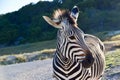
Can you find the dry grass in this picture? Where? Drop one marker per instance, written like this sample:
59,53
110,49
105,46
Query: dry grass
40,55
116,37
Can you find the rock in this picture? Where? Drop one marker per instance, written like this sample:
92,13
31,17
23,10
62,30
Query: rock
10,59
46,55
31,57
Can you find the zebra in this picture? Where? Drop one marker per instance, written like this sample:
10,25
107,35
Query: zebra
78,56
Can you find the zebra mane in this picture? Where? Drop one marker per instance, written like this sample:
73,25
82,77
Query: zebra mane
61,14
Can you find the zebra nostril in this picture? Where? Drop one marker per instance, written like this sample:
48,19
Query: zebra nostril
89,60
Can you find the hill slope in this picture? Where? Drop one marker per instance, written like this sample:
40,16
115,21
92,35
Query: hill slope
28,48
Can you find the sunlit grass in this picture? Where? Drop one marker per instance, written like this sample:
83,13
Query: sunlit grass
116,37
115,43
112,58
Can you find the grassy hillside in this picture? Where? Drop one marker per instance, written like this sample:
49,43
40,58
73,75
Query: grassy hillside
26,48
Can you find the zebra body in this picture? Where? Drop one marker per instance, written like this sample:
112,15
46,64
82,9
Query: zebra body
78,56
67,69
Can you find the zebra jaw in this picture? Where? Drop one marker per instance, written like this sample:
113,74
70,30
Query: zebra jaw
51,22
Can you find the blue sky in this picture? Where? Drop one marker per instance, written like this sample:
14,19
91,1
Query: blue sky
13,5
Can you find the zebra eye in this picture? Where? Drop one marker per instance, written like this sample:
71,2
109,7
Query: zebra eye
72,37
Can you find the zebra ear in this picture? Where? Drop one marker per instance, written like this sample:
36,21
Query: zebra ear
75,12
51,22
89,60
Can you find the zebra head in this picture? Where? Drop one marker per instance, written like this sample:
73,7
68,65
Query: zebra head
70,38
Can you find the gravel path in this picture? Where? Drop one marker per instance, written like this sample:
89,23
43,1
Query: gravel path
42,70
37,70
